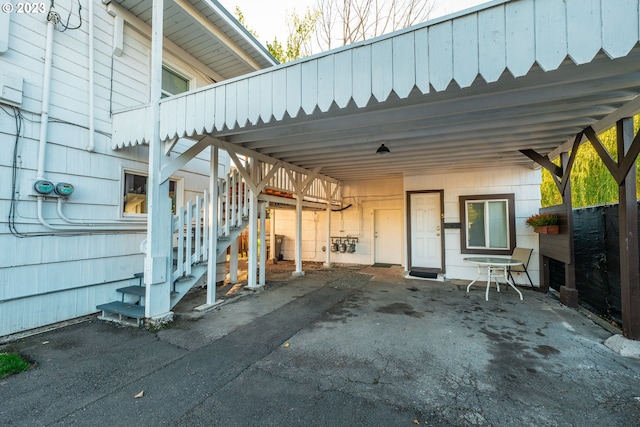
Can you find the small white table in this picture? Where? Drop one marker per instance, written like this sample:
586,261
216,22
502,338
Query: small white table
495,267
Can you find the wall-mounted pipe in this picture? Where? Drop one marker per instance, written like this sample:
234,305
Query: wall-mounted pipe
142,224
92,119
73,228
46,88
342,209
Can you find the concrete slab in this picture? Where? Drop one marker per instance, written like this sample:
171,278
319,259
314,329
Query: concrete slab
341,346
623,346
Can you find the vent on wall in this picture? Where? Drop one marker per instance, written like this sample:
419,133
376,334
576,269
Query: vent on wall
11,90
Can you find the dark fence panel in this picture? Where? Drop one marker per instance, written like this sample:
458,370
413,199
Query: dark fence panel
597,258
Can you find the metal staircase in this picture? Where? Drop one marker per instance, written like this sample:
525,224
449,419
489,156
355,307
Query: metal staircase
190,255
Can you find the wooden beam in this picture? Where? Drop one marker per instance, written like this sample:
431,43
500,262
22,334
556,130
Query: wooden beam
556,171
243,171
602,152
263,157
566,177
269,175
629,159
171,168
628,229
543,161
309,179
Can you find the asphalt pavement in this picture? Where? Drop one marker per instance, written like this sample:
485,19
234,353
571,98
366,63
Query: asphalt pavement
347,346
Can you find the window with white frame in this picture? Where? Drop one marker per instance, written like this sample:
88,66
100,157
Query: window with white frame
134,198
487,224
173,83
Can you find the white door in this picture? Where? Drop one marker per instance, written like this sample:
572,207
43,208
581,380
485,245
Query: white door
388,236
425,232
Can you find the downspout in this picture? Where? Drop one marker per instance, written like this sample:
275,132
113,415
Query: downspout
92,125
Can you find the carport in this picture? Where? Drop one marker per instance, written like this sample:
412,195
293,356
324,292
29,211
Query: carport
512,82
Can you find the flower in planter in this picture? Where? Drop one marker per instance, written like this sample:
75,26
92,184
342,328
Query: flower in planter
541,220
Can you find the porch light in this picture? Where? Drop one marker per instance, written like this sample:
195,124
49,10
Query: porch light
382,150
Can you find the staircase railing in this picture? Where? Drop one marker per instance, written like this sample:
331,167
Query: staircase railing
190,224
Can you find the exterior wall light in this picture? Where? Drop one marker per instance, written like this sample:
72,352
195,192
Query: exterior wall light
382,150
64,189
43,187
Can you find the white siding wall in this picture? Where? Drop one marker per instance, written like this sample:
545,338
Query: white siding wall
522,182
50,278
368,196
356,221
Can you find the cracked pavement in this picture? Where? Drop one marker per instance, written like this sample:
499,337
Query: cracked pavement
346,346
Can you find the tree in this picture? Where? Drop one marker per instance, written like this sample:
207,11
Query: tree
344,22
298,45
591,182
299,40
241,19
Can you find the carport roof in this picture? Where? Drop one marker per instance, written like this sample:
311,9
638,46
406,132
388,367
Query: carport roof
465,91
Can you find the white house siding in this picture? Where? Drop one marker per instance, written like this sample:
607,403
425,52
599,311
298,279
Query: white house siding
522,182
368,196
52,278
356,221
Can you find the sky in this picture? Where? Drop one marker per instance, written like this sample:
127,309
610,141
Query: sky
268,17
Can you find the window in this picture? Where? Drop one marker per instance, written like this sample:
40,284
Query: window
488,224
173,83
134,199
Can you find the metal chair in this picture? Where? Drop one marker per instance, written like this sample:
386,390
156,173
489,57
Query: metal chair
521,254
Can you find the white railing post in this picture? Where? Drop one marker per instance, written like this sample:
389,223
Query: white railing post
205,227
223,216
180,257
189,239
198,248
234,198
213,231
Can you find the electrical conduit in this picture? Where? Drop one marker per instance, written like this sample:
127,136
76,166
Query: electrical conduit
44,124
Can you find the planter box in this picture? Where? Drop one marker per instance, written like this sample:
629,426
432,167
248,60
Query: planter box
547,229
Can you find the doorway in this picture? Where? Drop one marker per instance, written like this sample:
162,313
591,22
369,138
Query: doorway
387,230
425,234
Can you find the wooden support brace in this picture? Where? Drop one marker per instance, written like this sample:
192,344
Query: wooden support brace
602,152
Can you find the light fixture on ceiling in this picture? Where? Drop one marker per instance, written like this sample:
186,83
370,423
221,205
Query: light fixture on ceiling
382,150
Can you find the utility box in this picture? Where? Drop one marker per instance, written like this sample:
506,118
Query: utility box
278,252
11,90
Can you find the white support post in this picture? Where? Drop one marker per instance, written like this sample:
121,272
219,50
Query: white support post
298,271
327,262
213,228
252,262
272,237
263,243
157,269
233,260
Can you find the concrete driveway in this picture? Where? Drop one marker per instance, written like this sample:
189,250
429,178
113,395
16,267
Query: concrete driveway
341,347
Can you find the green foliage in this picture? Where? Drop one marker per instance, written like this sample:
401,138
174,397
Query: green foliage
298,45
591,182
540,220
241,19
12,364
